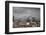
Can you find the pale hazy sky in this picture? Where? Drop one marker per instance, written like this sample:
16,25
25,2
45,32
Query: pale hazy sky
21,12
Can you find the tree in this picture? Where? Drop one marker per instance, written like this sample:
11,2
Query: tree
28,20
33,19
